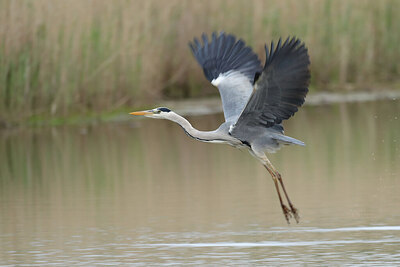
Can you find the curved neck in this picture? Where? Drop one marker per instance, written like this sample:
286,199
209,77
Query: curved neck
204,136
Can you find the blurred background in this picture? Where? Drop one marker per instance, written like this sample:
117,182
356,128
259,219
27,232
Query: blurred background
82,183
75,57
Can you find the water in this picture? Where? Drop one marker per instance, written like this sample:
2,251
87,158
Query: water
143,193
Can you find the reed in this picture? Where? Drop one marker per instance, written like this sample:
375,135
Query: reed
58,57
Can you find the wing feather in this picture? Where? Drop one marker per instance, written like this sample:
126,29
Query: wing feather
233,63
280,89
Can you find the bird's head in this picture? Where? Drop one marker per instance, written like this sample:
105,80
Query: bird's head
155,113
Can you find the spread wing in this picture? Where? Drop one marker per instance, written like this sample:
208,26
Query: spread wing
231,66
280,89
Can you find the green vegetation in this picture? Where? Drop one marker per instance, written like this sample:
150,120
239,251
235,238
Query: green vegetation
67,57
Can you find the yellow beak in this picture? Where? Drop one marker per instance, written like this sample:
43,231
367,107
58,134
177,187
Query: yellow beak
140,113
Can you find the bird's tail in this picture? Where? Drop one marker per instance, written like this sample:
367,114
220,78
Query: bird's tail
286,140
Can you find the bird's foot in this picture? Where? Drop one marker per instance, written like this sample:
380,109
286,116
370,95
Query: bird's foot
287,213
295,213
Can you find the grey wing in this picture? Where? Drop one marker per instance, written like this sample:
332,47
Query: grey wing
280,89
231,66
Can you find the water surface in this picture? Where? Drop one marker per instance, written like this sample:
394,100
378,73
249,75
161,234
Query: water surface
143,193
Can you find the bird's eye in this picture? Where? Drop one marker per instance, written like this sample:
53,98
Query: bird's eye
156,111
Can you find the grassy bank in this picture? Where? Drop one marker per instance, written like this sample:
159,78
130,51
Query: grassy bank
62,57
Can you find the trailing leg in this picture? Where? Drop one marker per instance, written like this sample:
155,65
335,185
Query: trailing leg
260,155
277,177
285,209
292,208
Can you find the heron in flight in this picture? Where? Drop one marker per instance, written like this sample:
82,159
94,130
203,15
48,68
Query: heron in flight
255,99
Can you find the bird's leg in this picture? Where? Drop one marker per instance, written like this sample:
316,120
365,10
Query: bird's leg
286,211
276,176
292,208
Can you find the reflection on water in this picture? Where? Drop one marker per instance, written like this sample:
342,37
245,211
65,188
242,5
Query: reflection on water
143,192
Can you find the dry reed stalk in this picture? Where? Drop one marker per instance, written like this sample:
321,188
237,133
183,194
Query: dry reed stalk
58,56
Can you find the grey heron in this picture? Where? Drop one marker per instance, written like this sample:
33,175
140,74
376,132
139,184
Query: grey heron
255,99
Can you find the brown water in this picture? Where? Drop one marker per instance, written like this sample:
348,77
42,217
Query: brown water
143,193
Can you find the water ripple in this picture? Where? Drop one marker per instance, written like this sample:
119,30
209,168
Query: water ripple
271,243
342,229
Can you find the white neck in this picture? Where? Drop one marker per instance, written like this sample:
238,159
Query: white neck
204,136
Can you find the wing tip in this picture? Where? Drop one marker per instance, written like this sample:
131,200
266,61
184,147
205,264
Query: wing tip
292,43
224,52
